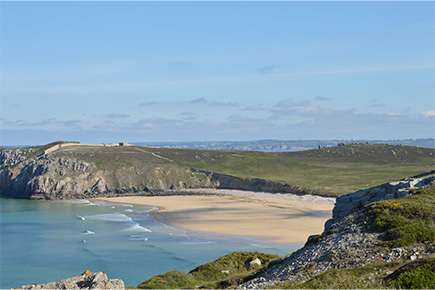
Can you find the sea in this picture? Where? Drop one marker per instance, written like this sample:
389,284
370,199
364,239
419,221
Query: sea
45,241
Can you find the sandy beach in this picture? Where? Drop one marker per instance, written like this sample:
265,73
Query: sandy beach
283,218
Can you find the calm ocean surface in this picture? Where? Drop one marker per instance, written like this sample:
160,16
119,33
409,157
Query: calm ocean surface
44,241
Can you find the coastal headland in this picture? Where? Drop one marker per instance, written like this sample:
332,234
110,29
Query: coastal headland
65,170
273,217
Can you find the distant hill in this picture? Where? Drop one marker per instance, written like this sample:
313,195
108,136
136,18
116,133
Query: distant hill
282,145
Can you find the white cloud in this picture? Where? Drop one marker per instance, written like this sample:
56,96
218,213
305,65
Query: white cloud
429,114
50,124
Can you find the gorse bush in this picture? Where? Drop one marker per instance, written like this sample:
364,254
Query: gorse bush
420,277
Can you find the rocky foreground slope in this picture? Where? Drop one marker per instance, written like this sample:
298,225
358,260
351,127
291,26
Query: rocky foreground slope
393,223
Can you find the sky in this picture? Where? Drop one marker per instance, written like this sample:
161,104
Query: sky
145,71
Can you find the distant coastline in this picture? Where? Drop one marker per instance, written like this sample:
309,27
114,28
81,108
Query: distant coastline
282,145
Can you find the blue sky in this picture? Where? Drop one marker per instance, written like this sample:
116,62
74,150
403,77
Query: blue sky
196,71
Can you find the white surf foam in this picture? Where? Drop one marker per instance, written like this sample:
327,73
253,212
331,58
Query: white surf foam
137,228
198,243
77,201
138,239
114,217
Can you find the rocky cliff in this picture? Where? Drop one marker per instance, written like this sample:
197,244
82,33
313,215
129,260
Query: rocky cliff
71,173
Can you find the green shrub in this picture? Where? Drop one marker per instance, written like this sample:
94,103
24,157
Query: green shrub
363,277
169,280
421,277
406,220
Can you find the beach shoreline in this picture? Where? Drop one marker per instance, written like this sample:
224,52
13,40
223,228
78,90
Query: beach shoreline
282,218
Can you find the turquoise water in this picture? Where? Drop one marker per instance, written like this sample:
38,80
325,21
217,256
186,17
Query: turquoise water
44,241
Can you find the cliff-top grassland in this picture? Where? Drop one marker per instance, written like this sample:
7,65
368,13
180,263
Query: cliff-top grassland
79,170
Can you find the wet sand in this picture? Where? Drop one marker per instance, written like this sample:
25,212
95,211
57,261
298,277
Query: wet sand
274,217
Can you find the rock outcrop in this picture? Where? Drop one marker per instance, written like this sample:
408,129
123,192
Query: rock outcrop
348,241
49,176
10,157
97,280
353,202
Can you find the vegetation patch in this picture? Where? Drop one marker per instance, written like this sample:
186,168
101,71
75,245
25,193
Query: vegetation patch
331,171
226,272
363,277
419,274
406,220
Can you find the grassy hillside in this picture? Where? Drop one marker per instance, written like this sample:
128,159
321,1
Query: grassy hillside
328,171
394,275
226,272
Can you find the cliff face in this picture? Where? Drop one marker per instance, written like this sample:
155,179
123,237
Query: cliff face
51,176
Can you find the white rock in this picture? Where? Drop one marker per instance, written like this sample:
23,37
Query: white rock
256,261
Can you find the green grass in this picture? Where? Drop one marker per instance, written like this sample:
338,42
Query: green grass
363,277
419,277
406,220
210,275
372,276
327,171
